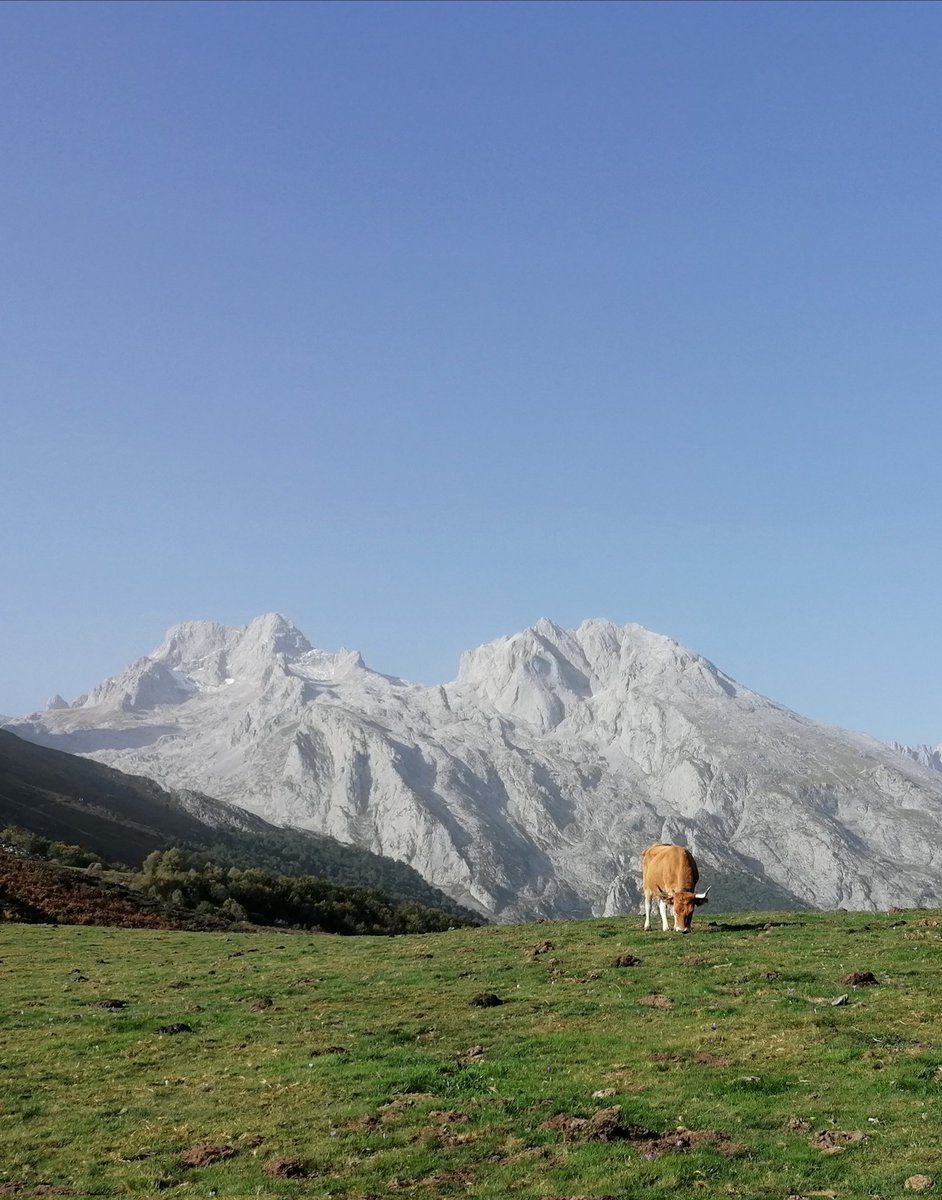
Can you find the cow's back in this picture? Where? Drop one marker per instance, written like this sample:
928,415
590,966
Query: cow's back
668,866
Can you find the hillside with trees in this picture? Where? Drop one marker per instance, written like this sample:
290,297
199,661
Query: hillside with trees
76,811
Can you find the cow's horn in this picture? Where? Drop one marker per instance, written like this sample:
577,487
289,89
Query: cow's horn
702,895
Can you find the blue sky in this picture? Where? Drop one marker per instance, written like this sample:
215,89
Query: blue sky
417,322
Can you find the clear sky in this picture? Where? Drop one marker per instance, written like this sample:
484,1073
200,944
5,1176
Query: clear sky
419,321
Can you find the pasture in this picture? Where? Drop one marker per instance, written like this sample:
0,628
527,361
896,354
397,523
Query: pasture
136,1061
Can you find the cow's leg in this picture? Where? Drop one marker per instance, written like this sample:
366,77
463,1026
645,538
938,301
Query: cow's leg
664,925
648,902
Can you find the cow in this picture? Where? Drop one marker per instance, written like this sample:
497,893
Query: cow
669,875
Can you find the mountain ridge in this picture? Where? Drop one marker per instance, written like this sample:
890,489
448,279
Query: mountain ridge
528,785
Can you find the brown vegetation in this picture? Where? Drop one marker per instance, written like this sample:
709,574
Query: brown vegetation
37,892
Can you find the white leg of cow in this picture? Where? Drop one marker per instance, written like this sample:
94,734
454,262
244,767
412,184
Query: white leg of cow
664,925
648,901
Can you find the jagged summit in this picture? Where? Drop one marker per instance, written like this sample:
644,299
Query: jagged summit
928,756
199,656
193,642
530,784
545,673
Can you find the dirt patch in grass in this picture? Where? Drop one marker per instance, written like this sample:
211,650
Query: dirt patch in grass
860,979
626,960
111,1004
448,1137
703,1059
711,1060
485,1000
446,1179
681,1140
285,1168
204,1154
541,948
261,1004
834,1141
443,1134
320,1051
657,1001
603,1126
368,1123
447,1117
386,1114
177,1027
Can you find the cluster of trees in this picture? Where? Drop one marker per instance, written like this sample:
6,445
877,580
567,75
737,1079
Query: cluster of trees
21,841
298,852
188,880
286,879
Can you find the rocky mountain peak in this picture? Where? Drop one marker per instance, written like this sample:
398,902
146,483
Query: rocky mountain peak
927,756
530,785
272,633
190,643
545,672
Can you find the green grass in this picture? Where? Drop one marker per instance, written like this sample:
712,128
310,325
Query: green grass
98,1100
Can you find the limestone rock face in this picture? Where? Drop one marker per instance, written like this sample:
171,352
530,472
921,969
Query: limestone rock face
530,785
928,756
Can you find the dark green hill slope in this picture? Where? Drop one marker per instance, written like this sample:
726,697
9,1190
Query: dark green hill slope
124,818
71,799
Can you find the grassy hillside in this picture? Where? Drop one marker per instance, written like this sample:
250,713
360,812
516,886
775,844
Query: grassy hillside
234,1065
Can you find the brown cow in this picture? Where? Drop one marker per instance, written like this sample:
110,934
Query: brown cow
669,875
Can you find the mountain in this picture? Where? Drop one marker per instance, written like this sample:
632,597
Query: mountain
528,786
123,818
928,756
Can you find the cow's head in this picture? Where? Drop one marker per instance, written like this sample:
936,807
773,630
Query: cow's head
683,904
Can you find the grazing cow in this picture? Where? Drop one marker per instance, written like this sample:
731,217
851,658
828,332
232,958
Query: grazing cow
669,875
